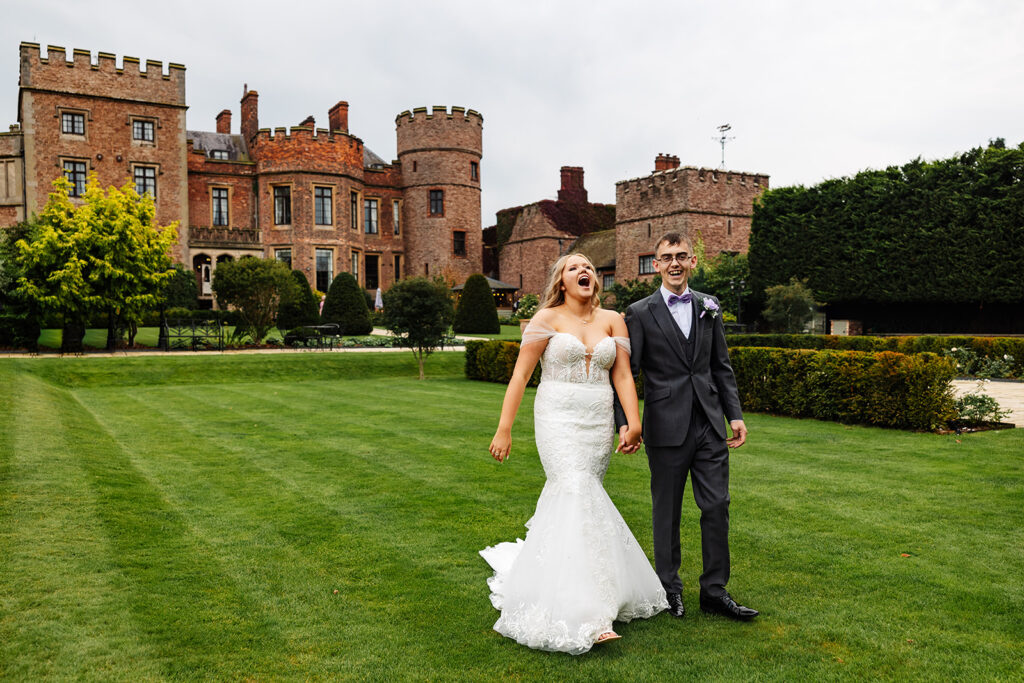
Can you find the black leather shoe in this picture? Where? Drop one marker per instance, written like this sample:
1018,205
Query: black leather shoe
675,605
726,606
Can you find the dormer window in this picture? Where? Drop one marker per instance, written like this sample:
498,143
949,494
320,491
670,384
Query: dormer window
220,154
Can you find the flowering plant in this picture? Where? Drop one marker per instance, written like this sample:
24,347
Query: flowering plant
710,306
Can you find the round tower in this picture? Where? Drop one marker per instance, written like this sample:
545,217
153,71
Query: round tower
440,154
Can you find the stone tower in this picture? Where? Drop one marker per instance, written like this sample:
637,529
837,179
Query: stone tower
440,154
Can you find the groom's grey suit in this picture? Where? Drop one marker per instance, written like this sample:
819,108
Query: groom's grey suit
689,391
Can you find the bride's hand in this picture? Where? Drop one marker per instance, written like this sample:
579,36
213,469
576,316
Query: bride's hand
501,446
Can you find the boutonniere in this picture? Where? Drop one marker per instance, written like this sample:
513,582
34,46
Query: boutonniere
709,306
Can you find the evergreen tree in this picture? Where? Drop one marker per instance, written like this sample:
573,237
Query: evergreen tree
301,308
418,312
477,313
346,306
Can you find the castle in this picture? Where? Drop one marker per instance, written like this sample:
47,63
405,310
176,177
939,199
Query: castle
714,205
315,198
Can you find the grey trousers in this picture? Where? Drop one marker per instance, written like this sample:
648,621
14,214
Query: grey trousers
705,457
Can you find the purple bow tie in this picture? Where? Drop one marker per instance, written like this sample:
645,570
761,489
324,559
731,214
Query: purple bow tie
673,299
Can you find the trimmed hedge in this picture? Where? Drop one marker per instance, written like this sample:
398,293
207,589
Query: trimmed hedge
345,306
986,347
477,312
885,389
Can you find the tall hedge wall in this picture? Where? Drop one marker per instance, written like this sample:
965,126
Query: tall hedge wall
884,389
948,231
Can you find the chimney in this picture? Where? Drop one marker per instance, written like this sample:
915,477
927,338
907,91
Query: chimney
572,185
224,121
665,162
308,121
250,115
337,117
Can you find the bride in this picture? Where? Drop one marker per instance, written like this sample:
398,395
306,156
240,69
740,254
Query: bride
580,568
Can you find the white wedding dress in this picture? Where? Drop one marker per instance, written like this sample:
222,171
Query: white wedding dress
579,568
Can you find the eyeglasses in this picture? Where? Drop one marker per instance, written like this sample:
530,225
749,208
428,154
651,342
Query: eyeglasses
669,258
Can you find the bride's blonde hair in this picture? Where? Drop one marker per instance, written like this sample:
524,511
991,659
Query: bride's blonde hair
554,295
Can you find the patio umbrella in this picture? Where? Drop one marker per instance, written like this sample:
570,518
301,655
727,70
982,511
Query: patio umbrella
379,302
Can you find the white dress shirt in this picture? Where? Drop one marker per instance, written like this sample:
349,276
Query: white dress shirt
681,313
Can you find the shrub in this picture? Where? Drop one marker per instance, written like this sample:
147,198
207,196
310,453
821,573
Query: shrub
301,307
528,304
977,408
884,389
476,312
19,331
494,361
346,306
984,356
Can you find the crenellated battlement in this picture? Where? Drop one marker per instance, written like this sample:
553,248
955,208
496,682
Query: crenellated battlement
439,113
421,130
101,76
690,174
284,134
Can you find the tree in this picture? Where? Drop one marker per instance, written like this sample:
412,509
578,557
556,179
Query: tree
477,312
302,308
789,307
254,287
418,312
346,307
180,290
728,277
104,254
19,322
629,292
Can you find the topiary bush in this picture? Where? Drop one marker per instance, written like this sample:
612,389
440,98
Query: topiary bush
346,306
477,313
300,309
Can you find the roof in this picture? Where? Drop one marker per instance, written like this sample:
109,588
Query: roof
370,159
496,285
599,247
206,142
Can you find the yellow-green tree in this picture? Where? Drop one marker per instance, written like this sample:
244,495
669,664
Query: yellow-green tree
103,254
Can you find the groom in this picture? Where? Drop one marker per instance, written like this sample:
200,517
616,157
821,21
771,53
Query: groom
678,342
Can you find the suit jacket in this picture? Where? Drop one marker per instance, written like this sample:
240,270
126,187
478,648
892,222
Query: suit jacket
674,383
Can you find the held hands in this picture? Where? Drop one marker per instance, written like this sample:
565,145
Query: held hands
629,440
739,434
501,445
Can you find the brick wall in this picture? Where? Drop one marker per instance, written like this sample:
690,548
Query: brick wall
532,247
12,172
717,205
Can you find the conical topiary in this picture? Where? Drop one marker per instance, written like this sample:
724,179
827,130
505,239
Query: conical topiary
477,313
300,309
346,306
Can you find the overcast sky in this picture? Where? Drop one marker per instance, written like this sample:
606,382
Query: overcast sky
813,90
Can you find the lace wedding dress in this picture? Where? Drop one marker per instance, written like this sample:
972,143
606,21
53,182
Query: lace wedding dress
579,568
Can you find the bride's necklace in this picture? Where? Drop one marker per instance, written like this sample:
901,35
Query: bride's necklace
585,322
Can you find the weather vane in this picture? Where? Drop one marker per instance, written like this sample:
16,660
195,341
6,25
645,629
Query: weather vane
723,138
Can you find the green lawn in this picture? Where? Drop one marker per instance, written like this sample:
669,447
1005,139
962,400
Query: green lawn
318,516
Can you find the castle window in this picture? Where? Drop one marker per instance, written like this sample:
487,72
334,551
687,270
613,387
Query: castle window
354,209
284,256
143,130
396,214
72,123
10,188
607,280
75,172
728,228
219,203
372,271
474,170
647,264
145,180
398,267
355,264
282,205
324,269
437,202
323,198
370,217
459,242
219,154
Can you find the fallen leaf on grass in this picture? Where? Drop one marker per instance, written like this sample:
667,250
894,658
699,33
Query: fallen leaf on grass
904,554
